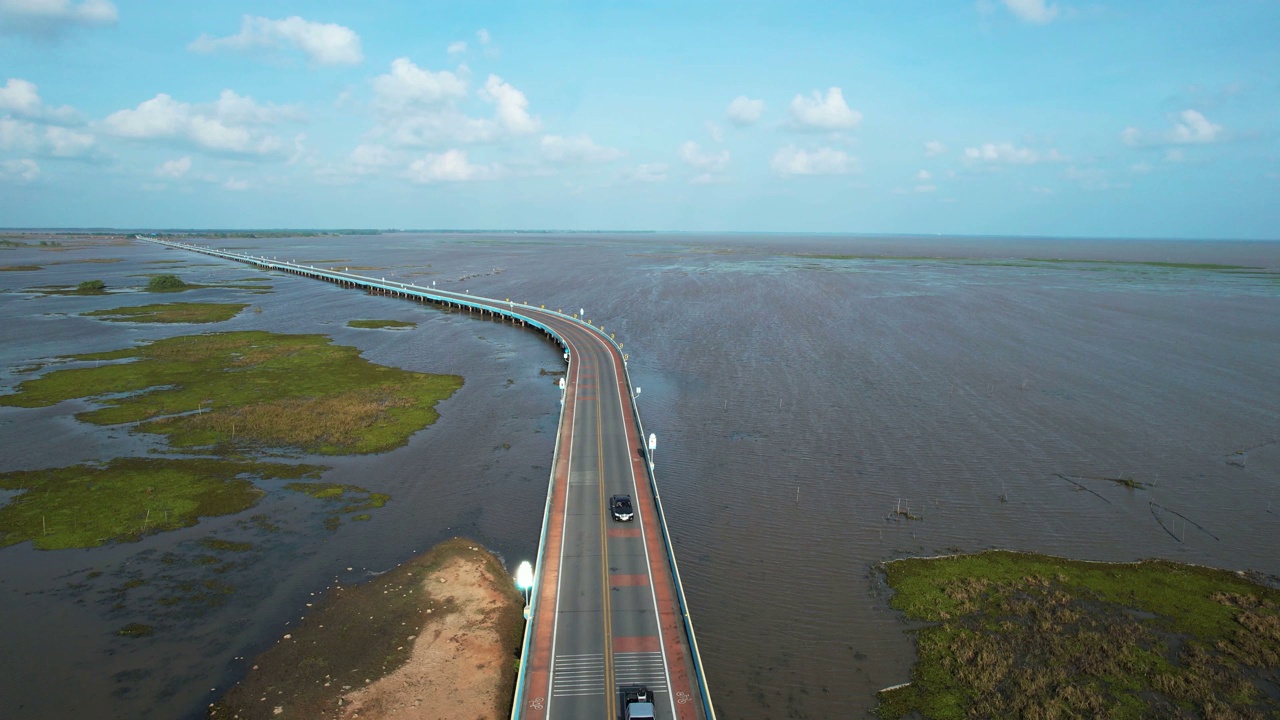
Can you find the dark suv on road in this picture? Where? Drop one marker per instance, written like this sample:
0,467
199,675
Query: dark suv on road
620,506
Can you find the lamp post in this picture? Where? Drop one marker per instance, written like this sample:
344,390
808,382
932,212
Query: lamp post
524,581
653,445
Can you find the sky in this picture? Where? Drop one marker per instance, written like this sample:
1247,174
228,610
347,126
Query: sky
1114,118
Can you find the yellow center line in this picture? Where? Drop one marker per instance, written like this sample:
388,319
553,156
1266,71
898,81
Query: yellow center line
604,557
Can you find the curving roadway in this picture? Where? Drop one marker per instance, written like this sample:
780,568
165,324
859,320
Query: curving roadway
606,605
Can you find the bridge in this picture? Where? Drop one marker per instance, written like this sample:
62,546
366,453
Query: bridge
607,608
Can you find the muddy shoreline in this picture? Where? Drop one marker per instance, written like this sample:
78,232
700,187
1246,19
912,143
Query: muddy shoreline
438,635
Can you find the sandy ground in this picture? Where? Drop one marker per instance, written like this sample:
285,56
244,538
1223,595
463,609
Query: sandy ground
453,671
436,637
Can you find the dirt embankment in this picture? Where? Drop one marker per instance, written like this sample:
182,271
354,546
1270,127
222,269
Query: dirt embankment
438,637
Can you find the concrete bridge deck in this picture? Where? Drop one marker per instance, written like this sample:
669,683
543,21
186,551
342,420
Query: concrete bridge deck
607,607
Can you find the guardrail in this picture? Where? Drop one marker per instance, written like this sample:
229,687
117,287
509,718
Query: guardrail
495,306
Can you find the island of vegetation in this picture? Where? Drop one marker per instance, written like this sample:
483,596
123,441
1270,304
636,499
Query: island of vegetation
171,313
1021,635
84,506
438,636
224,394
381,324
246,390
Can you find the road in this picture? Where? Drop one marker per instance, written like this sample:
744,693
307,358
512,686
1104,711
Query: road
607,604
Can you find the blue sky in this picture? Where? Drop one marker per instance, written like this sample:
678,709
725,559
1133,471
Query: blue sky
1012,117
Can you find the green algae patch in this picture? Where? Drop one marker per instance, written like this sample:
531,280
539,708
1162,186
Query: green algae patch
355,499
221,545
380,324
1021,635
84,506
243,391
171,313
136,630
20,268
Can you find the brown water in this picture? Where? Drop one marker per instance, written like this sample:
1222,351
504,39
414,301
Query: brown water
798,401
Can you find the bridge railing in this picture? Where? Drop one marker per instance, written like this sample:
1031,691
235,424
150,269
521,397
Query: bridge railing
493,305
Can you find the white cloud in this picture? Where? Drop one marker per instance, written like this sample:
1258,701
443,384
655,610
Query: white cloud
322,43
924,176
409,89
1009,154
715,132
791,160
1190,127
1174,155
368,157
237,185
823,113
1033,11
49,141
648,173
933,148
21,98
50,17
23,170
1140,168
232,124
62,142
483,36
419,107
175,168
743,111
457,48
926,188
449,166
579,149
511,106
708,162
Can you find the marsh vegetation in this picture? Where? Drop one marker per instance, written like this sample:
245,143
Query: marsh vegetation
381,324
245,390
84,506
171,313
1020,635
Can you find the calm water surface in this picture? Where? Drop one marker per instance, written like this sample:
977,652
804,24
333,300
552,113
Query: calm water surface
801,392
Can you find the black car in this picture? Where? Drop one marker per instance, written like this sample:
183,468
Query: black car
620,506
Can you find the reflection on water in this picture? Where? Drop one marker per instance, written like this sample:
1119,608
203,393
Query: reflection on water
799,402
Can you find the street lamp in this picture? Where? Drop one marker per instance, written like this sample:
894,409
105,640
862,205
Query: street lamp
524,581
653,445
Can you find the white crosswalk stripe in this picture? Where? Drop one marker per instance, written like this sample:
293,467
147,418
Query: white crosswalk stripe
578,675
640,668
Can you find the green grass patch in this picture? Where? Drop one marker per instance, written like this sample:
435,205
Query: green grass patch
380,324
248,390
90,505
20,268
1022,635
171,313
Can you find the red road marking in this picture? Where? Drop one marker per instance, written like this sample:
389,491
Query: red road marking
626,580
639,643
